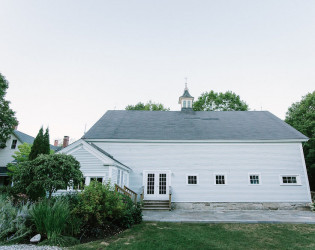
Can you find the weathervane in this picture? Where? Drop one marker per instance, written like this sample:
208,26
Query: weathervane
186,83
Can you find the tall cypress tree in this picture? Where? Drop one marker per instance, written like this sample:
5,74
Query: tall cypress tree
46,146
40,145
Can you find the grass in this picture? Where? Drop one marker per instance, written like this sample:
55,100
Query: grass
149,235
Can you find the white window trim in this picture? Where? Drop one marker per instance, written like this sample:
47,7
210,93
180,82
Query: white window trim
192,175
225,179
259,178
298,180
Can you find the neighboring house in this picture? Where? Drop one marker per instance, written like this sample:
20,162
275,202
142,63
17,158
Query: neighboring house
17,138
206,159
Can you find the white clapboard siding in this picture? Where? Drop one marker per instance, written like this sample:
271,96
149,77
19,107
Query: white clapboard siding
91,165
6,153
237,161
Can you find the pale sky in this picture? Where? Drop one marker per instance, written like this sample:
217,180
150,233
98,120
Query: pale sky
68,62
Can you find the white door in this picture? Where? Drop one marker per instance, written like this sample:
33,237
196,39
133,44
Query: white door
156,185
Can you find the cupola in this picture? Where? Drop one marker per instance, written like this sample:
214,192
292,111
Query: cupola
186,100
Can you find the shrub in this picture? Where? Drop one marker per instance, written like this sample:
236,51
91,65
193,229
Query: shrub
74,222
105,211
132,213
13,221
50,217
99,205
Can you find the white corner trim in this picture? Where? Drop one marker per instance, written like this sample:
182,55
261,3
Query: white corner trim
305,173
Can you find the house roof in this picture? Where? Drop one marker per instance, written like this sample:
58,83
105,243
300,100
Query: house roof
192,125
29,139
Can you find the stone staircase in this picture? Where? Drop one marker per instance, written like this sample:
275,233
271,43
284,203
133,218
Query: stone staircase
156,205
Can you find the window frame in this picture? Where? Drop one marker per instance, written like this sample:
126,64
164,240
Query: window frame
215,179
97,177
297,176
259,179
191,184
14,142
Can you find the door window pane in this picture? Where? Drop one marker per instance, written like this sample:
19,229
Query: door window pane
150,184
162,184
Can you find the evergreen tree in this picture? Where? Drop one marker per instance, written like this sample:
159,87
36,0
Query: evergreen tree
46,145
40,144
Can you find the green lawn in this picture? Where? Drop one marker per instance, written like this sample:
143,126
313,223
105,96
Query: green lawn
149,235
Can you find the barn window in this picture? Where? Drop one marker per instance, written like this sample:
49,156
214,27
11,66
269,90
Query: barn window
220,179
192,179
290,180
13,145
254,179
118,177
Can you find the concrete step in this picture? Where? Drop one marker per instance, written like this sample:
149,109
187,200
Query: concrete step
155,205
156,208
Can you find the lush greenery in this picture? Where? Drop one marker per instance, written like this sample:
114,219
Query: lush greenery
209,236
23,152
149,106
100,207
7,115
47,173
98,211
51,221
40,144
14,220
301,115
212,101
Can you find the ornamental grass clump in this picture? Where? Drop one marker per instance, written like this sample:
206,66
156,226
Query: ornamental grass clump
50,219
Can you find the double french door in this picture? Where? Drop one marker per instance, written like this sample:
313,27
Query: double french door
156,185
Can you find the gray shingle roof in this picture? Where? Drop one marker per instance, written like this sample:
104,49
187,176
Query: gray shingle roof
199,125
29,139
186,94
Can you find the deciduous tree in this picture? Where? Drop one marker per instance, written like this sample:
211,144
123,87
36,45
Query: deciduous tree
212,101
7,116
47,173
149,106
301,116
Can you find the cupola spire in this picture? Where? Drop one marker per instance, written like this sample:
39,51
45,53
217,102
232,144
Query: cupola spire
186,100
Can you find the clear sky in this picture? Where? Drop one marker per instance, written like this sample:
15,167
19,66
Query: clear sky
68,62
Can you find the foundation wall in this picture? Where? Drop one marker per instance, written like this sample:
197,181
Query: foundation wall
204,206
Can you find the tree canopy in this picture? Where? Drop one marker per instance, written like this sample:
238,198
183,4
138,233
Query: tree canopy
301,116
40,144
7,116
213,101
149,106
47,173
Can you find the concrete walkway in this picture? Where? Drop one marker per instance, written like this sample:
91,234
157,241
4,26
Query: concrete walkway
232,216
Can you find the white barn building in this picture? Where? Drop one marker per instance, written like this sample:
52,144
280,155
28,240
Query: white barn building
206,160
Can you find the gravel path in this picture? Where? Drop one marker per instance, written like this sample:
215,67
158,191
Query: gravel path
28,247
